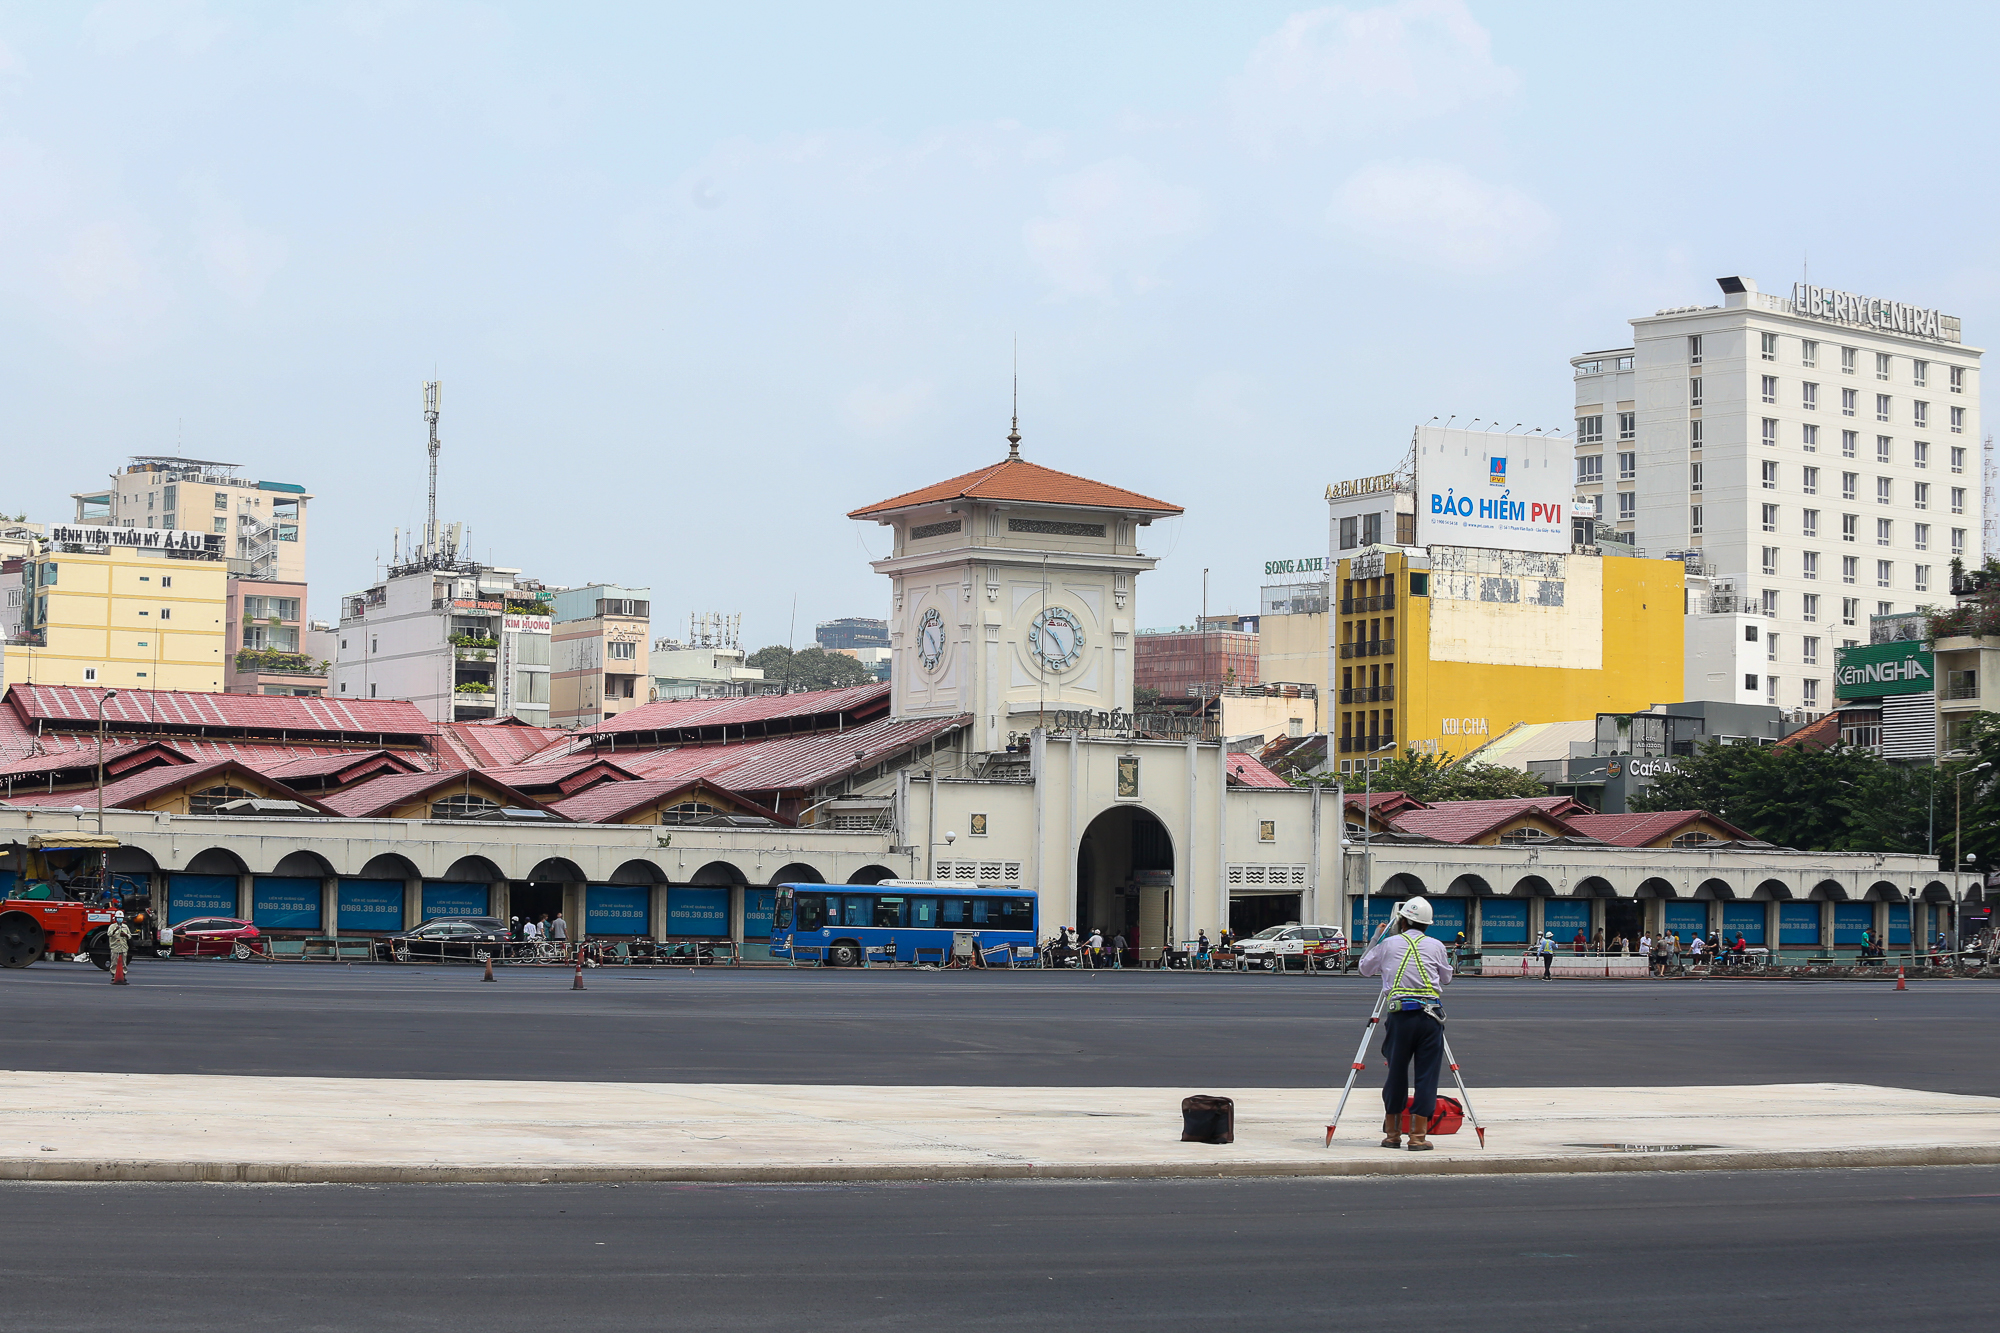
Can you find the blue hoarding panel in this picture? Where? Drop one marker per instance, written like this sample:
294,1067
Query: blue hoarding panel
1503,921
1899,923
1564,919
1368,914
1685,919
284,904
1747,918
615,909
698,912
1447,919
443,899
1798,923
759,905
1851,921
370,904
190,896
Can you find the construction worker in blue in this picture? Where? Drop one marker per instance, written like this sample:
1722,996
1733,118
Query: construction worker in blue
1415,970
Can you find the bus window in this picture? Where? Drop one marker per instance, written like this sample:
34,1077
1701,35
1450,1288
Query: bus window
855,908
1015,913
954,911
924,912
889,912
982,914
811,911
781,913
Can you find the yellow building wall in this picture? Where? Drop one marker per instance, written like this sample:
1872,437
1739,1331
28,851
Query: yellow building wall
104,614
1292,648
1451,707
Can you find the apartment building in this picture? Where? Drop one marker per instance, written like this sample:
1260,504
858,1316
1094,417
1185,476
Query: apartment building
266,652
598,653
463,641
262,523
1815,457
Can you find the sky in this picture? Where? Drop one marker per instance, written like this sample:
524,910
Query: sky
699,279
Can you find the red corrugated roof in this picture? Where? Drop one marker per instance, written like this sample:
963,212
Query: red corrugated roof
377,795
612,800
1462,821
560,772
322,765
270,714
1630,830
1017,480
485,745
688,714
1247,772
165,777
788,763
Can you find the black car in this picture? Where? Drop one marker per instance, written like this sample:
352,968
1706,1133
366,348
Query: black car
471,938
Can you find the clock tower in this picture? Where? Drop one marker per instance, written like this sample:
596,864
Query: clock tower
1013,595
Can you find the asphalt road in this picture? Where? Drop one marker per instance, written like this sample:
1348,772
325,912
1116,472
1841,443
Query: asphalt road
883,1027
1771,1251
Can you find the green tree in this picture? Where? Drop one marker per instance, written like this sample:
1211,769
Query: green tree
812,669
1837,799
1437,777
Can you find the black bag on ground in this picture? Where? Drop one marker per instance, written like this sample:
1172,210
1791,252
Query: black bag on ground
1208,1119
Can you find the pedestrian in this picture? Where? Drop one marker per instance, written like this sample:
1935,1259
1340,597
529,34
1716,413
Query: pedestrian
1624,946
530,932
1548,953
1201,946
558,931
1597,941
120,939
1646,951
1096,947
1673,962
1694,950
1118,952
1414,972
1580,943
515,929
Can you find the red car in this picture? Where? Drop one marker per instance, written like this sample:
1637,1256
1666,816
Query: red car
215,936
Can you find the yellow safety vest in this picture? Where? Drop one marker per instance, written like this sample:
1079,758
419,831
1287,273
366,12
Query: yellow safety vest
1420,987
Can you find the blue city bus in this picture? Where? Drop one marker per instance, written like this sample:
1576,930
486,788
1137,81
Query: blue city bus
834,923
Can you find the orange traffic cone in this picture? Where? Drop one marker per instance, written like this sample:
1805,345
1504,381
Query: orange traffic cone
118,970
489,968
578,983
1899,980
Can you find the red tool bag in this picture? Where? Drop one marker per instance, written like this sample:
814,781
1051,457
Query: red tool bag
1446,1117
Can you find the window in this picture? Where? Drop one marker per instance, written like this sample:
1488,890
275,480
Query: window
1694,435
625,651
221,500
1849,441
1808,352
1849,569
1881,407
1771,560
1768,343
90,673
1809,569
1809,480
1628,506
1885,608
1884,448
1847,355
1770,518
1349,528
1771,691
1694,391
1589,469
205,801
222,525
1920,373
1770,476
1920,536
1883,531
1628,467
1883,490
1921,578
1590,430
1694,349
1958,458
1628,425
1771,602
1809,522
1809,397
49,574
1958,499
464,805
1848,482
1920,454
1770,394
1809,438
1749,682
1920,414
1958,379
1694,520
1881,365
1770,430
1884,572
1809,610
1958,421
1694,476
1849,401
1958,541
1850,609
1809,650
166,613
1920,495
167,581
1749,634
1809,693
1770,647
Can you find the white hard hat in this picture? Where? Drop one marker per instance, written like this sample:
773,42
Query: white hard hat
1417,910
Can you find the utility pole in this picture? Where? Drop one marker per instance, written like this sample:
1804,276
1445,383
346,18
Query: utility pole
431,419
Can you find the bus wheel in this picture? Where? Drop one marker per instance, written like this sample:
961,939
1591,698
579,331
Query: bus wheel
844,954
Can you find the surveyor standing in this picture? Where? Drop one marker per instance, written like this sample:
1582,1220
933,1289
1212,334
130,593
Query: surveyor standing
1414,972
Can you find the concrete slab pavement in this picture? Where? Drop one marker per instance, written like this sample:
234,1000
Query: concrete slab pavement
87,1126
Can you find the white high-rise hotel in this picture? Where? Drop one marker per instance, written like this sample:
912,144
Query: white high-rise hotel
1822,454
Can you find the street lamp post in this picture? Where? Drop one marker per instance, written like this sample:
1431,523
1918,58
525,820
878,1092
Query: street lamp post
1958,815
102,700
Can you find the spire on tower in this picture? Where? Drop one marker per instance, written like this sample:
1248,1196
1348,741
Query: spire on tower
1014,431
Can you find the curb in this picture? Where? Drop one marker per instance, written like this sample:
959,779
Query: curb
374,1173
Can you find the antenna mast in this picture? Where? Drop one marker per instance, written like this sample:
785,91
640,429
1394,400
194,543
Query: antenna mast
431,419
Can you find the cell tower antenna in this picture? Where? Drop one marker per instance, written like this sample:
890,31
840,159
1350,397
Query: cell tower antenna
431,419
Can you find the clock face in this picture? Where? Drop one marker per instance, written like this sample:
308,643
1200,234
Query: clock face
930,639
1055,638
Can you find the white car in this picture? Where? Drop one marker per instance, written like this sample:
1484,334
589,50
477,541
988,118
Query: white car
1285,945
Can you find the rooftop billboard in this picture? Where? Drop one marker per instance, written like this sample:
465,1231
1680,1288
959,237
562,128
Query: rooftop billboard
1503,492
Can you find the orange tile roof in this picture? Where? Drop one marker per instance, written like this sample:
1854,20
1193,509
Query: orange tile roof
1018,480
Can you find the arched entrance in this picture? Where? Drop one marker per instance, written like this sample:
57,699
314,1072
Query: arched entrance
1124,880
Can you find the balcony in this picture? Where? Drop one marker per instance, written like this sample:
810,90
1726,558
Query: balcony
272,661
1381,602
1369,694
1369,648
1369,744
